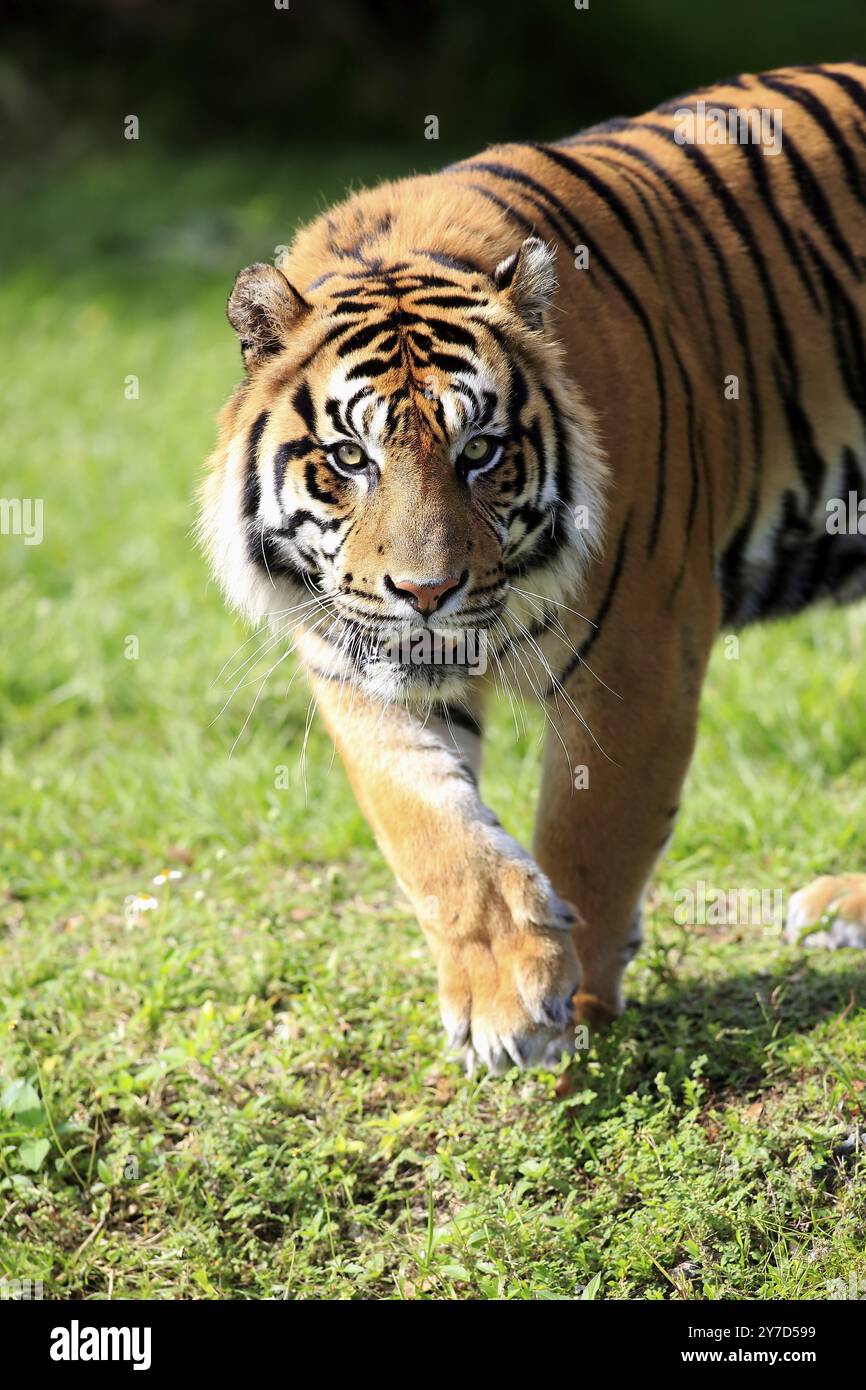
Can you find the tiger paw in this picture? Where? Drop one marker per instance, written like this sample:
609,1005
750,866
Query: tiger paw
829,913
506,981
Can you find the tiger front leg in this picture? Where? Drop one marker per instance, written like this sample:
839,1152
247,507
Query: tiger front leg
500,936
623,715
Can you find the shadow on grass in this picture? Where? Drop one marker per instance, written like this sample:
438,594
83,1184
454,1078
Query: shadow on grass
740,1024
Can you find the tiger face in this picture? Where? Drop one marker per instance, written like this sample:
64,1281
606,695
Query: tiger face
402,463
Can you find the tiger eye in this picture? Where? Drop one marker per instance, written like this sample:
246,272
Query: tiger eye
476,450
351,455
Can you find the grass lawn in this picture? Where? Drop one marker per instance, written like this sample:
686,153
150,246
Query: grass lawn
241,1093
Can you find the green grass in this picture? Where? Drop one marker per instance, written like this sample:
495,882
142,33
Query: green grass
242,1093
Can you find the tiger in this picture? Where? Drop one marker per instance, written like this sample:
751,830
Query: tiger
543,424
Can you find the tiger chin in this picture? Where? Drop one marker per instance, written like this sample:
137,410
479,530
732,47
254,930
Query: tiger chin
488,441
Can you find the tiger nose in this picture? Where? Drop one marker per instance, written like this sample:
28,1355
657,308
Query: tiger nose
425,598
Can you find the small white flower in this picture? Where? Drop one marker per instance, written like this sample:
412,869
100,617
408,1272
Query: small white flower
140,902
165,875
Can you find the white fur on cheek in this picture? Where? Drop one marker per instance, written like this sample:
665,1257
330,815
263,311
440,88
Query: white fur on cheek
224,536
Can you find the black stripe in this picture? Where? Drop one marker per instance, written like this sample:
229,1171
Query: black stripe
597,256
451,333
451,262
448,301
846,326
334,412
551,207
729,573
810,464
849,85
730,298
456,714
373,366
264,552
490,402
822,117
535,437
376,277
548,545
813,197
783,590
693,462
408,281
314,351
735,215
419,341
757,161
601,613
252,487
302,402
600,188
292,449
562,461
638,180
362,337
450,362
786,371
363,393
321,494
299,518
510,212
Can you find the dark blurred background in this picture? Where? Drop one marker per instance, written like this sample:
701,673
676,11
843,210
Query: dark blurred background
225,71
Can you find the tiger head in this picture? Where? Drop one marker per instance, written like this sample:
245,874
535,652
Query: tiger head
403,462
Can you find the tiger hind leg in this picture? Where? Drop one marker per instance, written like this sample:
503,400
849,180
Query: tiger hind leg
829,913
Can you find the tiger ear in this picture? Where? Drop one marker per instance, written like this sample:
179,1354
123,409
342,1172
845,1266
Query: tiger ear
528,277
263,307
